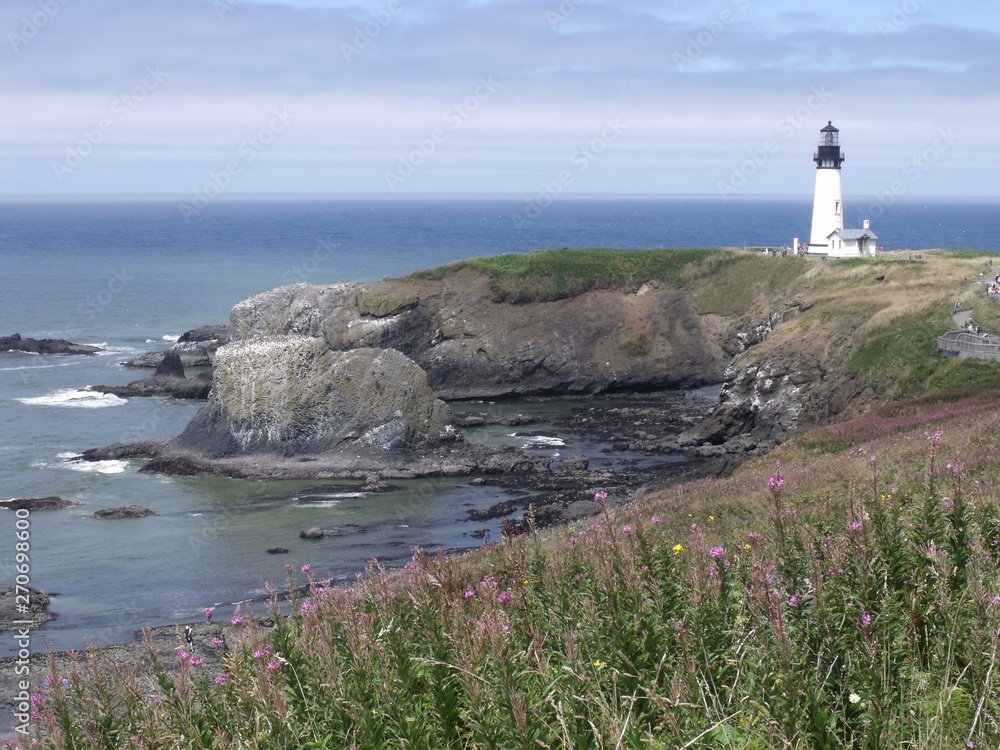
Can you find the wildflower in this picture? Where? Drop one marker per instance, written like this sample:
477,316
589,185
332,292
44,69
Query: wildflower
678,548
504,597
857,526
196,661
935,438
216,641
854,698
274,665
307,605
716,552
866,620
183,656
711,518
469,593
599,664
601,496
655,519
221,680
306,568
627,529
873,459
262,653
237,619
793,601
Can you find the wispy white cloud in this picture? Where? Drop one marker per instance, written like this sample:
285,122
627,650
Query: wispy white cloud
697,85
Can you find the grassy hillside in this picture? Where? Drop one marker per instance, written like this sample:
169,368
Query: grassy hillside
842,592
548,275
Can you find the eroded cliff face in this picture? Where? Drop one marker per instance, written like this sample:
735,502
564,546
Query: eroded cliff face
472,347
290,395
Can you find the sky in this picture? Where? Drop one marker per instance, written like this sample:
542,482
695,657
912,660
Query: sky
524,97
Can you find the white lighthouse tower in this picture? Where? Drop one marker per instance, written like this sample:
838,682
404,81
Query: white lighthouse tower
828,200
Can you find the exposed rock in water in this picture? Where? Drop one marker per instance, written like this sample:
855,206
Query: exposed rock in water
37,503
277,550
168,380
292,395
128,511
12,599
312,533
196,348
14,343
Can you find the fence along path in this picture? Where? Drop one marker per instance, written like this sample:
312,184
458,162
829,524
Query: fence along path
961,343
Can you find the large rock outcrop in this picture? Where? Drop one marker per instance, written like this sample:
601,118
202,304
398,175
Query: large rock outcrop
473,347
292,395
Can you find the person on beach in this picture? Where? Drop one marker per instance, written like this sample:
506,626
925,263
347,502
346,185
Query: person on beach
208,614
189,637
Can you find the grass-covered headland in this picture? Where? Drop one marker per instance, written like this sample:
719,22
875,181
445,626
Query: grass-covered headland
842,592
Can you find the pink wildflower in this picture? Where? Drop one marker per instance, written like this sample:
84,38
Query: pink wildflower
655,519
306,568
237,619
469,593
196,661
716,552
221,680
627,529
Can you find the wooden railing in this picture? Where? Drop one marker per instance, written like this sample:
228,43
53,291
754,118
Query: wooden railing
965,344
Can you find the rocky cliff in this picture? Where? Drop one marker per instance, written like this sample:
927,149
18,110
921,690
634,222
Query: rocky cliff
473,347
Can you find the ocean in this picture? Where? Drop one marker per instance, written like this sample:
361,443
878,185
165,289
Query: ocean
132,275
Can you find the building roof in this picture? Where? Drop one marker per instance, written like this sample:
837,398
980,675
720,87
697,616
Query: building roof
853,234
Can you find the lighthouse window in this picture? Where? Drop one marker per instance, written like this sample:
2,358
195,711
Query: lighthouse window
836,208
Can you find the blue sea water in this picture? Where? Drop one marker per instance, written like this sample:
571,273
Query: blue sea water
131,275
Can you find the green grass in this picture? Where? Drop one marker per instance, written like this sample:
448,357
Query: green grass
846,601
547,275
903,359
728,283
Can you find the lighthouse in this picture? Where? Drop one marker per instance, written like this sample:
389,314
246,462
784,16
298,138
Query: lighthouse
828,200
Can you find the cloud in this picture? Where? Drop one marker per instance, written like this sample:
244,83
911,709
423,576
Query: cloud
697,85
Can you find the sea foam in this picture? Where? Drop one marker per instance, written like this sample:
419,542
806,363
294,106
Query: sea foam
75,398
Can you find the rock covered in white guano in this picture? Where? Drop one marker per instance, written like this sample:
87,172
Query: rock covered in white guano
294,395
295,309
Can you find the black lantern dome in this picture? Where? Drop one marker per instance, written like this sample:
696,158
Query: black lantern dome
828,154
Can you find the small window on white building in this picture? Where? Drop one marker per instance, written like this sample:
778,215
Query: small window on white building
836,208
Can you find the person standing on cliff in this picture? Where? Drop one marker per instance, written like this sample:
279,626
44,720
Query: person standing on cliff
208,614
189,637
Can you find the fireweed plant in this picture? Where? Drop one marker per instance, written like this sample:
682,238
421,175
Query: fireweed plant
867,619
